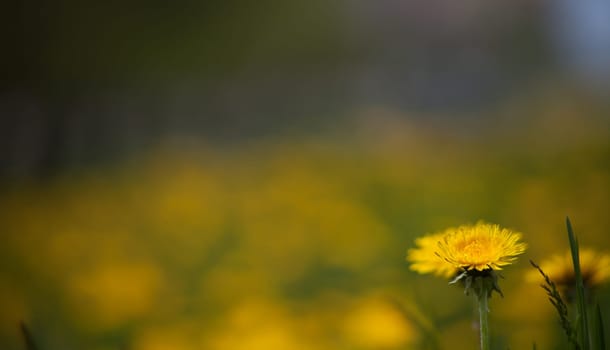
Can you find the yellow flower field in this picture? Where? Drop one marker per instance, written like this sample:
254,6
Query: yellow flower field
298,242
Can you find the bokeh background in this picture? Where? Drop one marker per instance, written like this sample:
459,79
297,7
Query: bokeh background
249,175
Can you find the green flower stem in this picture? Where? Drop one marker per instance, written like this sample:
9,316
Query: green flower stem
482,283
484,321
483,290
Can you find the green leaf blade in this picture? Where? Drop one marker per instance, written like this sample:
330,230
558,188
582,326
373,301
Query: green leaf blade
582,319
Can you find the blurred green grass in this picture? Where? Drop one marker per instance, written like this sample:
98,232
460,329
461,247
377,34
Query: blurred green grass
297,241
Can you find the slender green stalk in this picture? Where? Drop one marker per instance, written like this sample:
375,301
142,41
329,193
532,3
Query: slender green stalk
27,336
582,319
484,322
482,293
561,307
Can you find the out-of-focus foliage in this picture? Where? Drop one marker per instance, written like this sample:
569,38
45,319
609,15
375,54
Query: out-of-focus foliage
297,242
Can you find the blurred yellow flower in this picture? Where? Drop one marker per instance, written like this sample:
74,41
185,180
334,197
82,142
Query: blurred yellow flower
480,247
113,293
425,260
377,324
258,324
594,266
177,335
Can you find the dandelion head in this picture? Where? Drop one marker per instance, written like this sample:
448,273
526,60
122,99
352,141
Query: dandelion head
471,254
480,247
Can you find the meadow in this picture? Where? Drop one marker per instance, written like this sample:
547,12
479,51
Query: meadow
298,240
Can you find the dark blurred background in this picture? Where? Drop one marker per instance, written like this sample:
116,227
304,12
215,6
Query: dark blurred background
249,175
93,80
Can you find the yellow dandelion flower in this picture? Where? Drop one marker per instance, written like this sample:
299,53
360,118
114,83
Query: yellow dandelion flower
471,254
425,260
480,247
594,267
